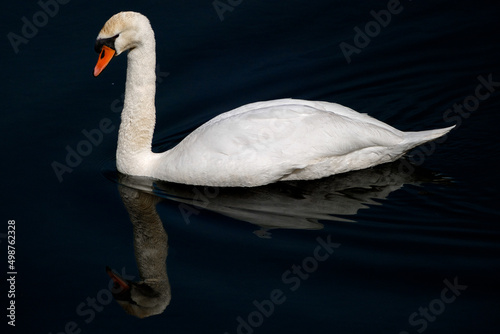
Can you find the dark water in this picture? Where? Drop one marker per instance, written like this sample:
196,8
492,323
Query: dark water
409,247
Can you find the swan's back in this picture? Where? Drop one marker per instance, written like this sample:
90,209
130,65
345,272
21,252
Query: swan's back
320,106
287,139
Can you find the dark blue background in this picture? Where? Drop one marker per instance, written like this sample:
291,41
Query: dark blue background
391,261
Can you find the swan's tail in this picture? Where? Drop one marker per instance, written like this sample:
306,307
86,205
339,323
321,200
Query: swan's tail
415,138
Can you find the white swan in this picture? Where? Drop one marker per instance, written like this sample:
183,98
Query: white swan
256,144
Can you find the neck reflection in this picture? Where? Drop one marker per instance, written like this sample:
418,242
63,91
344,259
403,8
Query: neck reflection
151,295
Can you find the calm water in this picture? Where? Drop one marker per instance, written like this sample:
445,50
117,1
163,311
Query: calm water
409,247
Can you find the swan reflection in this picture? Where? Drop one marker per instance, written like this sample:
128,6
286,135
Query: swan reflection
290,205
151,295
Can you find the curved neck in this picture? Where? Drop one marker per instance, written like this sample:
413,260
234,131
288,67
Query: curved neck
139,114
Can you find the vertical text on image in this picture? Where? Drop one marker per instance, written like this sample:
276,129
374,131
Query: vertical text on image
12,272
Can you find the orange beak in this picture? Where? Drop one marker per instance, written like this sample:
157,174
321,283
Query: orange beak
104,58
117,278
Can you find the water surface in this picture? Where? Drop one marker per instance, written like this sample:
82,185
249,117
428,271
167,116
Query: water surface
399,235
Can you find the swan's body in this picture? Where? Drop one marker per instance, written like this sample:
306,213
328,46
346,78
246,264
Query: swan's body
252,145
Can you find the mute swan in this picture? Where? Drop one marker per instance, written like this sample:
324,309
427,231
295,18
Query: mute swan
255,144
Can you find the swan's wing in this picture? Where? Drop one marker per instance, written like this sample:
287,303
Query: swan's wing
308,128
319,105
272,139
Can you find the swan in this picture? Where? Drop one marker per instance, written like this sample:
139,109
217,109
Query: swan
253,145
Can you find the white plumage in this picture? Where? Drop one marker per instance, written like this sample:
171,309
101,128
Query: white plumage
256,144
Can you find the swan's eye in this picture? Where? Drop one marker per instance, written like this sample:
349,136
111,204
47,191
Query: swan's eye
109,42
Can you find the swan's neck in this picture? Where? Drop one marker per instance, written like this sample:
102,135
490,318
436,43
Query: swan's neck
150,238
150,242
138,115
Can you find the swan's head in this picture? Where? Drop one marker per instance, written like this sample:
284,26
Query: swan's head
123,31
139,298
